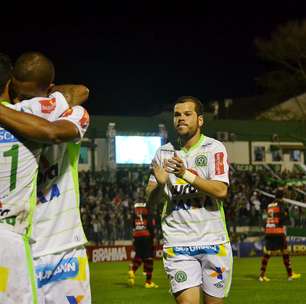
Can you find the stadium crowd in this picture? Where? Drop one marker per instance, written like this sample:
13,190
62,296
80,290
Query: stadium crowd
108,197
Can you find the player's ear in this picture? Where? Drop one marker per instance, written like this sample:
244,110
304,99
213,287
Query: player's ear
6,92
50,88
200,120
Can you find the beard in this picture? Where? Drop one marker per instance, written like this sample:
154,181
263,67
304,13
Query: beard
184,137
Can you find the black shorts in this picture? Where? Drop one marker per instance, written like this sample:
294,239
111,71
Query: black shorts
276,242
143,247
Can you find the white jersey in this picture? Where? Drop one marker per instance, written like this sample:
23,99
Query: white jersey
191,217
57,221
19,163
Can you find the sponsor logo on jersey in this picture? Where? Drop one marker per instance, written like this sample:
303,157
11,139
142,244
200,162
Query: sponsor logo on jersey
84,121
71,268
219,284
219,163
75,300
4,276
7,137
47,174
51,194
180,276
184,195
195,250
47,105
201,160
3,211
218,273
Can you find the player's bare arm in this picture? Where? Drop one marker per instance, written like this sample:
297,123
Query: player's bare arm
37,129
75,94
154,191
214,188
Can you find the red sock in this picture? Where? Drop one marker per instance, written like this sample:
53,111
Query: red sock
148,269
264,263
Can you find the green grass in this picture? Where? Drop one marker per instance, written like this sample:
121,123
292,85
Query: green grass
108,281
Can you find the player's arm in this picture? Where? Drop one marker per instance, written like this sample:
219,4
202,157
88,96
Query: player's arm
156,184
154,192
75,94
214,188
37,129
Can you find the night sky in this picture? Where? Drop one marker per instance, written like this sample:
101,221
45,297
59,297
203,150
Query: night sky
136,57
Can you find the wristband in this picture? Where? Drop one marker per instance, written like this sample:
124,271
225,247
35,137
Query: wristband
189,177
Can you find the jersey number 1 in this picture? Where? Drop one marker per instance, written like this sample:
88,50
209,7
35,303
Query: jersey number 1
13,153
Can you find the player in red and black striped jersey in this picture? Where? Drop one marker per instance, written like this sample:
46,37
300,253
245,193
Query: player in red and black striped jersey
143,235
275,236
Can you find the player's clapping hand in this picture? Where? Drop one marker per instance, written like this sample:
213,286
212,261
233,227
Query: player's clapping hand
160,173
175,165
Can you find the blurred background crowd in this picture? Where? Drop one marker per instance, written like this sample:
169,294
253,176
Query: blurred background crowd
108,197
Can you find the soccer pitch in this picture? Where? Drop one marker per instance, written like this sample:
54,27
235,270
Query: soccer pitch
109,284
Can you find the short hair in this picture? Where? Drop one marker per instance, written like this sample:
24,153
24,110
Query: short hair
5,71
34,67
198,105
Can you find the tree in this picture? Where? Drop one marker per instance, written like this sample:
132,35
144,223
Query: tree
285,52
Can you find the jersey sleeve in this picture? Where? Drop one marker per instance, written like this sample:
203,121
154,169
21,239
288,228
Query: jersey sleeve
79,117
218,164
49,108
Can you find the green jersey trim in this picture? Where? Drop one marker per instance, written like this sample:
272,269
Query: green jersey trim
30,268
5,102
32,206
221,210
195,146
74,152
228,285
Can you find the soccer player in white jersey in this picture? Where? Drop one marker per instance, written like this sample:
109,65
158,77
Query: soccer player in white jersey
18,171
70,126
192,179
60,257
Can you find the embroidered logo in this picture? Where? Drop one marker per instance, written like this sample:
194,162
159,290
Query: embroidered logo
201,160
180,276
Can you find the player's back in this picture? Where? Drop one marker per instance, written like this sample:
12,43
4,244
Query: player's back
275,218
57,221
18,171
19,165
143,221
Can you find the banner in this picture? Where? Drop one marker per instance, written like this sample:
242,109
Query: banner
296,246
100,254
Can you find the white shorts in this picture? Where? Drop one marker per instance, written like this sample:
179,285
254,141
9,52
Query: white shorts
63,278
207,266
17,280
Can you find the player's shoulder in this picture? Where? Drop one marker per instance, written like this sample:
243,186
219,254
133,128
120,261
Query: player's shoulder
44,105
166,148
212,143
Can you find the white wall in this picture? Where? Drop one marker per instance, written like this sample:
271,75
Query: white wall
238,152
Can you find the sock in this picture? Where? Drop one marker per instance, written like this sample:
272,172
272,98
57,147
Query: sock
286,260
136,263
148,269
264,263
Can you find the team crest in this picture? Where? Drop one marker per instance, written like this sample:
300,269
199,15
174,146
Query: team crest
201,160
180,276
